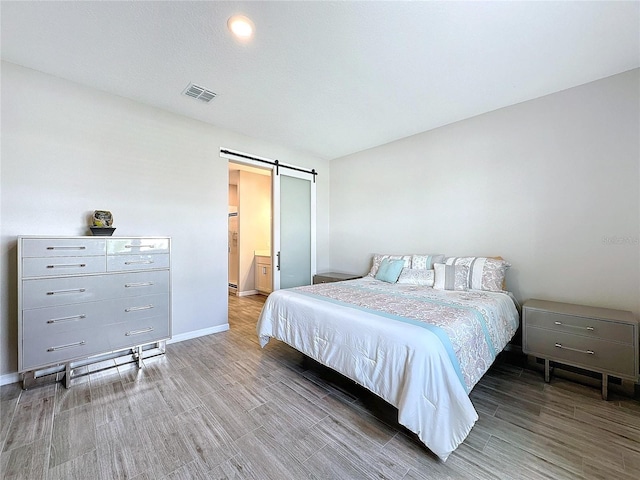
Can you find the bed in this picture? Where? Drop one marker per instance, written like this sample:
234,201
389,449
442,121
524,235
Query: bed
422,349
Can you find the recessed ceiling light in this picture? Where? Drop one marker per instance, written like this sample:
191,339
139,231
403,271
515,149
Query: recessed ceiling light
241,26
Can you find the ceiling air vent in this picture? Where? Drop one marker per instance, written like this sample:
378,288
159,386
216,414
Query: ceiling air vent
199,92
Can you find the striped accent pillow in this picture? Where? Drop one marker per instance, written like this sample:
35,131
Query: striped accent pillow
485,273
450,277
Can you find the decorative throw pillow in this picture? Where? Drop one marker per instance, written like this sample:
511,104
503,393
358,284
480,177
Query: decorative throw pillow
417,276
389,270
377,259
485,273
450,277
426,261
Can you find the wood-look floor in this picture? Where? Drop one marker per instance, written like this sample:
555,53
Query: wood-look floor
220,407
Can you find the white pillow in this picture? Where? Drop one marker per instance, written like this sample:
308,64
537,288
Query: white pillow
417,276
450,277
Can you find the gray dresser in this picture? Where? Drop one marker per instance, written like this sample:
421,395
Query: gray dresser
596,339
83,296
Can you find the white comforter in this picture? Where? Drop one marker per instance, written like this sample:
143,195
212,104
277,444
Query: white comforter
396,356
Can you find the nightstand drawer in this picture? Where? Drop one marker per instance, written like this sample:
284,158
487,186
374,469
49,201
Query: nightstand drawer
575,350
588,327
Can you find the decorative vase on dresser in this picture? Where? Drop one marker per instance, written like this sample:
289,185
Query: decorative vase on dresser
80,299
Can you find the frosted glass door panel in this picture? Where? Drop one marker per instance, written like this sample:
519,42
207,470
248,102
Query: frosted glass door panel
295,232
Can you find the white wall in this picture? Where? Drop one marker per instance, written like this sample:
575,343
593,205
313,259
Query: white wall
68,150
551,184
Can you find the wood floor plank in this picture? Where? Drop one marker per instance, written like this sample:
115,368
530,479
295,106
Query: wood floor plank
329,462
282,426
121,453
523,464
78,395
32,420
359,420
369,456
83,466
234,419
206,439
540,445
236,468
74,434
109,401
26,462
268,459
164,443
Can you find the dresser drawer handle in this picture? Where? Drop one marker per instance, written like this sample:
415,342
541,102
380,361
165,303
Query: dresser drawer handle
139,262
62,347
80,247
138,332
67,319
79,265
590,352
60,292
139,246
574,326
135,309
138,284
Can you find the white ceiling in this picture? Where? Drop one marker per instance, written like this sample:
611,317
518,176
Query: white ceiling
328,78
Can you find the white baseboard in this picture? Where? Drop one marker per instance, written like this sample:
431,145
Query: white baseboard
246,293
9,378
15,377
198,333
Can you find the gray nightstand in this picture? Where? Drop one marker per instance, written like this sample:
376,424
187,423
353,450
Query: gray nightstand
596,339
333,277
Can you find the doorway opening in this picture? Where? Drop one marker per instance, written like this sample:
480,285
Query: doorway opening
250,230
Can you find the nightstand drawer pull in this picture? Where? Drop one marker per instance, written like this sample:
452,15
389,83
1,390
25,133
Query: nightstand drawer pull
80,247
138,284
75,290
139,246
61,347
77,265
67,319
138,332
590,352
574,326
139,262
135,309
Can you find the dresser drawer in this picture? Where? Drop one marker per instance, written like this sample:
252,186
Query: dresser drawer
118,246
53,320
132,309
49,292
138,331
615,358
139,283
589,327
121,263
91,315
56,266
42,350
62,247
